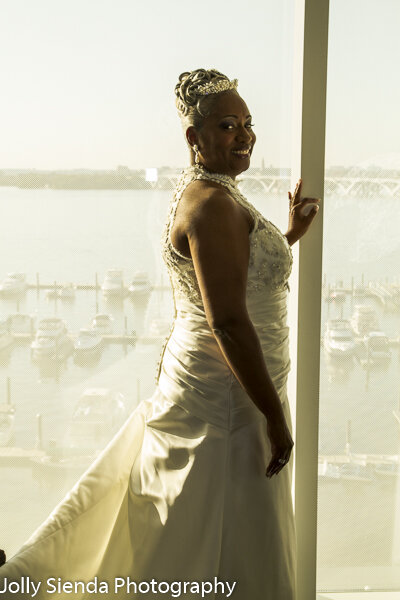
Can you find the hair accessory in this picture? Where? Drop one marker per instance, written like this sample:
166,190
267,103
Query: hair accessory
214,88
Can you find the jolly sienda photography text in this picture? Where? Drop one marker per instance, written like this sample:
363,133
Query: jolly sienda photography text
55,585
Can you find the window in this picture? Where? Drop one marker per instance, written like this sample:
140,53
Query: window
94,147
359,426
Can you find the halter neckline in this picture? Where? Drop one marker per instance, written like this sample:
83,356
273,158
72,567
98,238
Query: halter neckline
200,169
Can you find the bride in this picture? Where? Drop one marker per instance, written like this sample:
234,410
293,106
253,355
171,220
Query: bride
192,496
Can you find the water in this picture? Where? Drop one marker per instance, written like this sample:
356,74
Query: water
68,235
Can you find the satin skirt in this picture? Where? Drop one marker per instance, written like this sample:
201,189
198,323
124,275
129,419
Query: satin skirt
180,493
195,375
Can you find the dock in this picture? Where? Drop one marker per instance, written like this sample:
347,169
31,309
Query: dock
107,338
84,286
12,456
359,459
388,294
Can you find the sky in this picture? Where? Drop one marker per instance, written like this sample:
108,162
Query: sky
90,83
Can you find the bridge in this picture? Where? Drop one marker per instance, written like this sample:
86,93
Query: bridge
276,184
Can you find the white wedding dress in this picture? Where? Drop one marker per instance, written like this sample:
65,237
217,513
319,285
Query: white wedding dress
180,492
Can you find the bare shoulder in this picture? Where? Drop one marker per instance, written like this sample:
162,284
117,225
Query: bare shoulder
198,201
200,196
199,191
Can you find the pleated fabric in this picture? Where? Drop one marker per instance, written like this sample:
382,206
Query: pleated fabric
180,493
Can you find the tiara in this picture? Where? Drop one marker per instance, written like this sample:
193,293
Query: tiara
214,88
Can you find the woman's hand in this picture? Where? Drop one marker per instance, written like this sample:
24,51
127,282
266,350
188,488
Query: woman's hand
298,222
281,444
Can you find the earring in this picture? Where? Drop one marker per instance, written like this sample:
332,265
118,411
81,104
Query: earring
196,154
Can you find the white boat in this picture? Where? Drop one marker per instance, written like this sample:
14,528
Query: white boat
6,338
336,296
364,319
356,472
51,340
113,285
14,283
374,348
51,325
21,323
98,414
66,292
89,341
140,285
339,338
51,294
7,418
103,323
328,471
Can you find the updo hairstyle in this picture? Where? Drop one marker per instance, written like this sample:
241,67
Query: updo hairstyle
192,106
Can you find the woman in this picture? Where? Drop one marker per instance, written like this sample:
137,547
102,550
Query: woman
194,491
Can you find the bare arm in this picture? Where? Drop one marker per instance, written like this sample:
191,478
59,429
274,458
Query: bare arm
218,237
291,238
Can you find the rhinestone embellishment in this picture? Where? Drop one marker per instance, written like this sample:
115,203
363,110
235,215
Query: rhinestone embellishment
220,86
270,259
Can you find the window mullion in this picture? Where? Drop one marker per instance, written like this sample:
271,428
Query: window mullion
308,162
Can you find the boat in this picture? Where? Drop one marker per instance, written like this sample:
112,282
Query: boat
88,342
6,338
364,319
356,472
113,285
21,323
98,414
103,323
51,340
7,418
51,325
52,293
336,295
65,292
374,348
339,338
328,471
14,283
140,285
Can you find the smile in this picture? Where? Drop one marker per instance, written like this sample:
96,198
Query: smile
241,153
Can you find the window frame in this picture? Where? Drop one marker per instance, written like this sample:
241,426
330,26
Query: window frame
310,49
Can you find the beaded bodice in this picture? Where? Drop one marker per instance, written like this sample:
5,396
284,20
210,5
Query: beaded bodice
270,260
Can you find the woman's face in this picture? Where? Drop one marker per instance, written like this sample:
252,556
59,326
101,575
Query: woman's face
227,129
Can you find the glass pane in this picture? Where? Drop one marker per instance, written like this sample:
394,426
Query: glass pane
94,148
359,429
